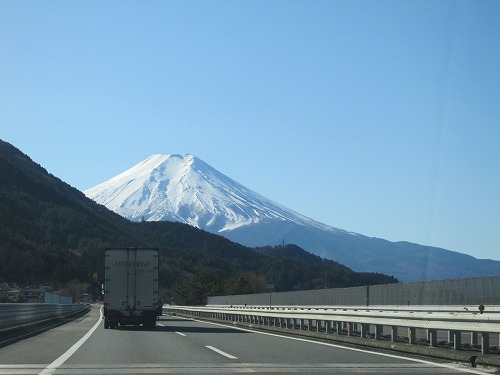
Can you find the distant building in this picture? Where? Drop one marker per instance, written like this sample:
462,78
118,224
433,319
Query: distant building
9,293
31,295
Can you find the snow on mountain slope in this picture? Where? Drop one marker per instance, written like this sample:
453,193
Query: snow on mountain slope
186,189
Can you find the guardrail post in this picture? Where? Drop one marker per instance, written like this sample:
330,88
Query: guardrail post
412,335
328,326
485,343
474,338
457,340
378,331
364,329
432,336
339,328
349,329
394,333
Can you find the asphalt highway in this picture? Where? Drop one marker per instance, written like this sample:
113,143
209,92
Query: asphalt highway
183,346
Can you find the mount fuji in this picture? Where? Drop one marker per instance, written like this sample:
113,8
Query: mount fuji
184,188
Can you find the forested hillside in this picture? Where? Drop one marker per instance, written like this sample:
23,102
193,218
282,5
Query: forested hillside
51,234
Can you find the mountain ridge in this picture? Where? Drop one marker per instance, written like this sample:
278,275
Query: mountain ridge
52,234
189,190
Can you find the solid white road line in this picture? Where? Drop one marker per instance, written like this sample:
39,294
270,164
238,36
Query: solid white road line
221,352
50,369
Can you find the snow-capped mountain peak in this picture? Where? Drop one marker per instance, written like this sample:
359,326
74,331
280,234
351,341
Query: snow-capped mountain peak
186,189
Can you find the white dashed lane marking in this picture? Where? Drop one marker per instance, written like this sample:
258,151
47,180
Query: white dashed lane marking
221,352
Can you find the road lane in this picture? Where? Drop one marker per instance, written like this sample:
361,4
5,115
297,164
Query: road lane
52,367
191,347
276,353
49,345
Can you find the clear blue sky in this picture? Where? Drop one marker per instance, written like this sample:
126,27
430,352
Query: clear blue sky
378,117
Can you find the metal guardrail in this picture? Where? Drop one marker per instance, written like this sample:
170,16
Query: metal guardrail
14,315
349,319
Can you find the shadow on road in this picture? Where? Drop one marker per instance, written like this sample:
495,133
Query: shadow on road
169,324
191,329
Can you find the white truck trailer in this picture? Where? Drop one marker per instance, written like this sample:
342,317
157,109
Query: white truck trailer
131,295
